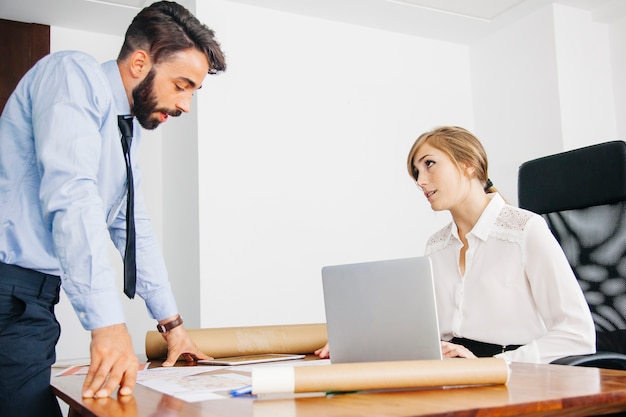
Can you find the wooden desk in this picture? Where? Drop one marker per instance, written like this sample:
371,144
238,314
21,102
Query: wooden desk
547,390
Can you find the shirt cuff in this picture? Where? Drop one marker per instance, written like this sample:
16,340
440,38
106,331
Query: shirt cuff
161,304
99,309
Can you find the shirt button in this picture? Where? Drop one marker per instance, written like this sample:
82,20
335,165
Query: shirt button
82,315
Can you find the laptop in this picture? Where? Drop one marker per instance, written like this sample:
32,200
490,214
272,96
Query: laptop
381,311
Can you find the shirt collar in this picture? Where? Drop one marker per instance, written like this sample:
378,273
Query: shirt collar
485,222
120,98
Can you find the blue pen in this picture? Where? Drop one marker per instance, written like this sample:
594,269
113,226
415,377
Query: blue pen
241,391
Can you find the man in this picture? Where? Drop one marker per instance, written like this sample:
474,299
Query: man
64,186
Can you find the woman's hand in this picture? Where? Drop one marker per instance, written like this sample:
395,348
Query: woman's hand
324,352
450,350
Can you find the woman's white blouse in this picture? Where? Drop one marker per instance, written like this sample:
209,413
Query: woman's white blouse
518,287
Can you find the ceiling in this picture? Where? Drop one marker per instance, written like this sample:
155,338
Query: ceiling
461,21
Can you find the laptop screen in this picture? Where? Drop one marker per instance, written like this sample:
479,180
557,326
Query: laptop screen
381,311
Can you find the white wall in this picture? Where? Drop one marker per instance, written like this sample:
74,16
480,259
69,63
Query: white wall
584,78
74,342
303,143
516,96
545,84
617,39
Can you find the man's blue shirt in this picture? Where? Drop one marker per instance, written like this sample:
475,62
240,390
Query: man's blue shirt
63,186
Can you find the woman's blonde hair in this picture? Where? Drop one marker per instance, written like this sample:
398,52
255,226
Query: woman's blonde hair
461,146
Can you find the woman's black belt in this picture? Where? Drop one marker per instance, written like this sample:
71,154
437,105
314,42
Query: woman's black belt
482,349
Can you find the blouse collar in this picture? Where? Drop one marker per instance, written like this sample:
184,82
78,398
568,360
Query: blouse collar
485,222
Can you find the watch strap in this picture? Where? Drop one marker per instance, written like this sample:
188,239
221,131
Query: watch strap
166,327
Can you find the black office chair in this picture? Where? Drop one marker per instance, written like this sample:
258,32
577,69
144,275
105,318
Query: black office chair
582,195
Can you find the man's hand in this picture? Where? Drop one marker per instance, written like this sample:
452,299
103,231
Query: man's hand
179,343
124,405
113,363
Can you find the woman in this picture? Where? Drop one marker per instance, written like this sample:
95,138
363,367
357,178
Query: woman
504,286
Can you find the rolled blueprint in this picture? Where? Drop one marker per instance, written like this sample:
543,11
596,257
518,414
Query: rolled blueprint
379,375
237,341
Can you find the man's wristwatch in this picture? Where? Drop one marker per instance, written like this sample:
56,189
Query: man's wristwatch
166,327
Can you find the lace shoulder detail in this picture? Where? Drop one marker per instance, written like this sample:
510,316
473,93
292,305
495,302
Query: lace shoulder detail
510,224
439,240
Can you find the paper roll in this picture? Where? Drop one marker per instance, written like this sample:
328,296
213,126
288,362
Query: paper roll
379,375
237,341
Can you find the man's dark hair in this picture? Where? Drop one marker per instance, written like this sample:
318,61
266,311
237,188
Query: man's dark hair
165,28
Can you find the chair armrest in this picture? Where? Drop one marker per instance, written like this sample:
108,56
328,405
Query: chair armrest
610,360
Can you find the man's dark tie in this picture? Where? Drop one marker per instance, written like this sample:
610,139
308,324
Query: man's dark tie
130,267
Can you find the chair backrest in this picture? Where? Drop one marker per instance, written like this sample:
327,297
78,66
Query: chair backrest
582,195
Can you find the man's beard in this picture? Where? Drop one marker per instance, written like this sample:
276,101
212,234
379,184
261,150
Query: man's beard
145,103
